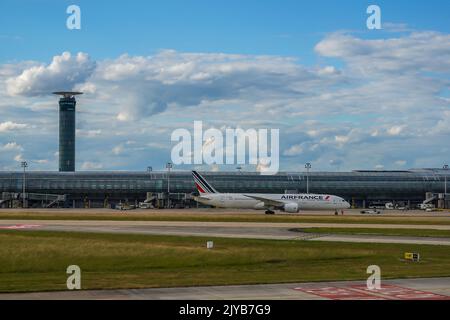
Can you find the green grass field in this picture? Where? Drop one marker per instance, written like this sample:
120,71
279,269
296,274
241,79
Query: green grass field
37,261
381,232
161,215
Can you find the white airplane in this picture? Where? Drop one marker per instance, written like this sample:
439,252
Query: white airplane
291,203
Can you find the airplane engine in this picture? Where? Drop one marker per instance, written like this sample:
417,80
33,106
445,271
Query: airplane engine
291,207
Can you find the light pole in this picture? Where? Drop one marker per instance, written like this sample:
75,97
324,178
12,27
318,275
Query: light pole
445,167
169,166
24,165
307,167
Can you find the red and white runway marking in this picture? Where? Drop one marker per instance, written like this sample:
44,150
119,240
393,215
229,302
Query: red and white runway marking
393,292
19,226
360,292
338,293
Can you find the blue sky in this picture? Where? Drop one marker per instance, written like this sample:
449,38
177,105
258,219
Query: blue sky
110,28
344,97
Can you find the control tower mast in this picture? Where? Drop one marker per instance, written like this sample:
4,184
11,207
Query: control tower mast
67,105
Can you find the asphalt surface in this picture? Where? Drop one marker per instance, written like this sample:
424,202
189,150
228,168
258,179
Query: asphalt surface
248,230
436,288
404,289
222,211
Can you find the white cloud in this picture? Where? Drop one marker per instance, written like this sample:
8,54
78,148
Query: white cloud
395,130
388,100
11,126
419,51
11,146
144,86
117,150
400,163
88,133
342,139
41,161
124,116
87,165
328,70
294,150
443,125
63,73
335,162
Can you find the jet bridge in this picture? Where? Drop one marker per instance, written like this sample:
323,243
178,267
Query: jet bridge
32,199
440,200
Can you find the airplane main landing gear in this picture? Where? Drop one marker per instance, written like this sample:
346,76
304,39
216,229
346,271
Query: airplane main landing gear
269,212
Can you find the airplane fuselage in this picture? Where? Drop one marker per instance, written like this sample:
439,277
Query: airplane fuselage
245,201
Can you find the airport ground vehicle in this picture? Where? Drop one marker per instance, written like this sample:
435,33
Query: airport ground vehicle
145,205
123,206
371,211
425,206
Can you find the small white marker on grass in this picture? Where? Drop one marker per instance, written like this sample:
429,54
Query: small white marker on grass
209,244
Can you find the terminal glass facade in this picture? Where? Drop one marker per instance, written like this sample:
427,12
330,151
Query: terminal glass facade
357,185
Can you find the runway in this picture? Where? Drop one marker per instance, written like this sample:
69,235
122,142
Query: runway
434,288
219,212
404,289
248,230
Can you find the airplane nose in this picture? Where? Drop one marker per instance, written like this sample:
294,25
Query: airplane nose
347,205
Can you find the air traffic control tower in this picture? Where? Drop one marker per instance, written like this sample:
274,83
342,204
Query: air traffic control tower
67,105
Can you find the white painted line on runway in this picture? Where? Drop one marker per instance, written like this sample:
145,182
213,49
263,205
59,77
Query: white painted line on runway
19,226
384,239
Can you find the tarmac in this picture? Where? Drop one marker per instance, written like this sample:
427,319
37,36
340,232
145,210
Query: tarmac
400,289
221,211
247,230
403,289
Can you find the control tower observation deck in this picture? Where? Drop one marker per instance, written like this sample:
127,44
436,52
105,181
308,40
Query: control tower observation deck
67,104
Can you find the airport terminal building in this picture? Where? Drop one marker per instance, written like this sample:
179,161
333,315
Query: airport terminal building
107,189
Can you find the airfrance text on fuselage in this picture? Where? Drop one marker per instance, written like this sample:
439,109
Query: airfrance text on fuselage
304,197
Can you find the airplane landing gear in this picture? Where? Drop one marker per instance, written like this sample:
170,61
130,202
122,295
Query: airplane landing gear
269,212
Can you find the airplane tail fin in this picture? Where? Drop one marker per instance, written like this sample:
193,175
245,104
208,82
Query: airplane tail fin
202,185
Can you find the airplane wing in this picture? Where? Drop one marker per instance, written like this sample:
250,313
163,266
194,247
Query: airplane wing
267,202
